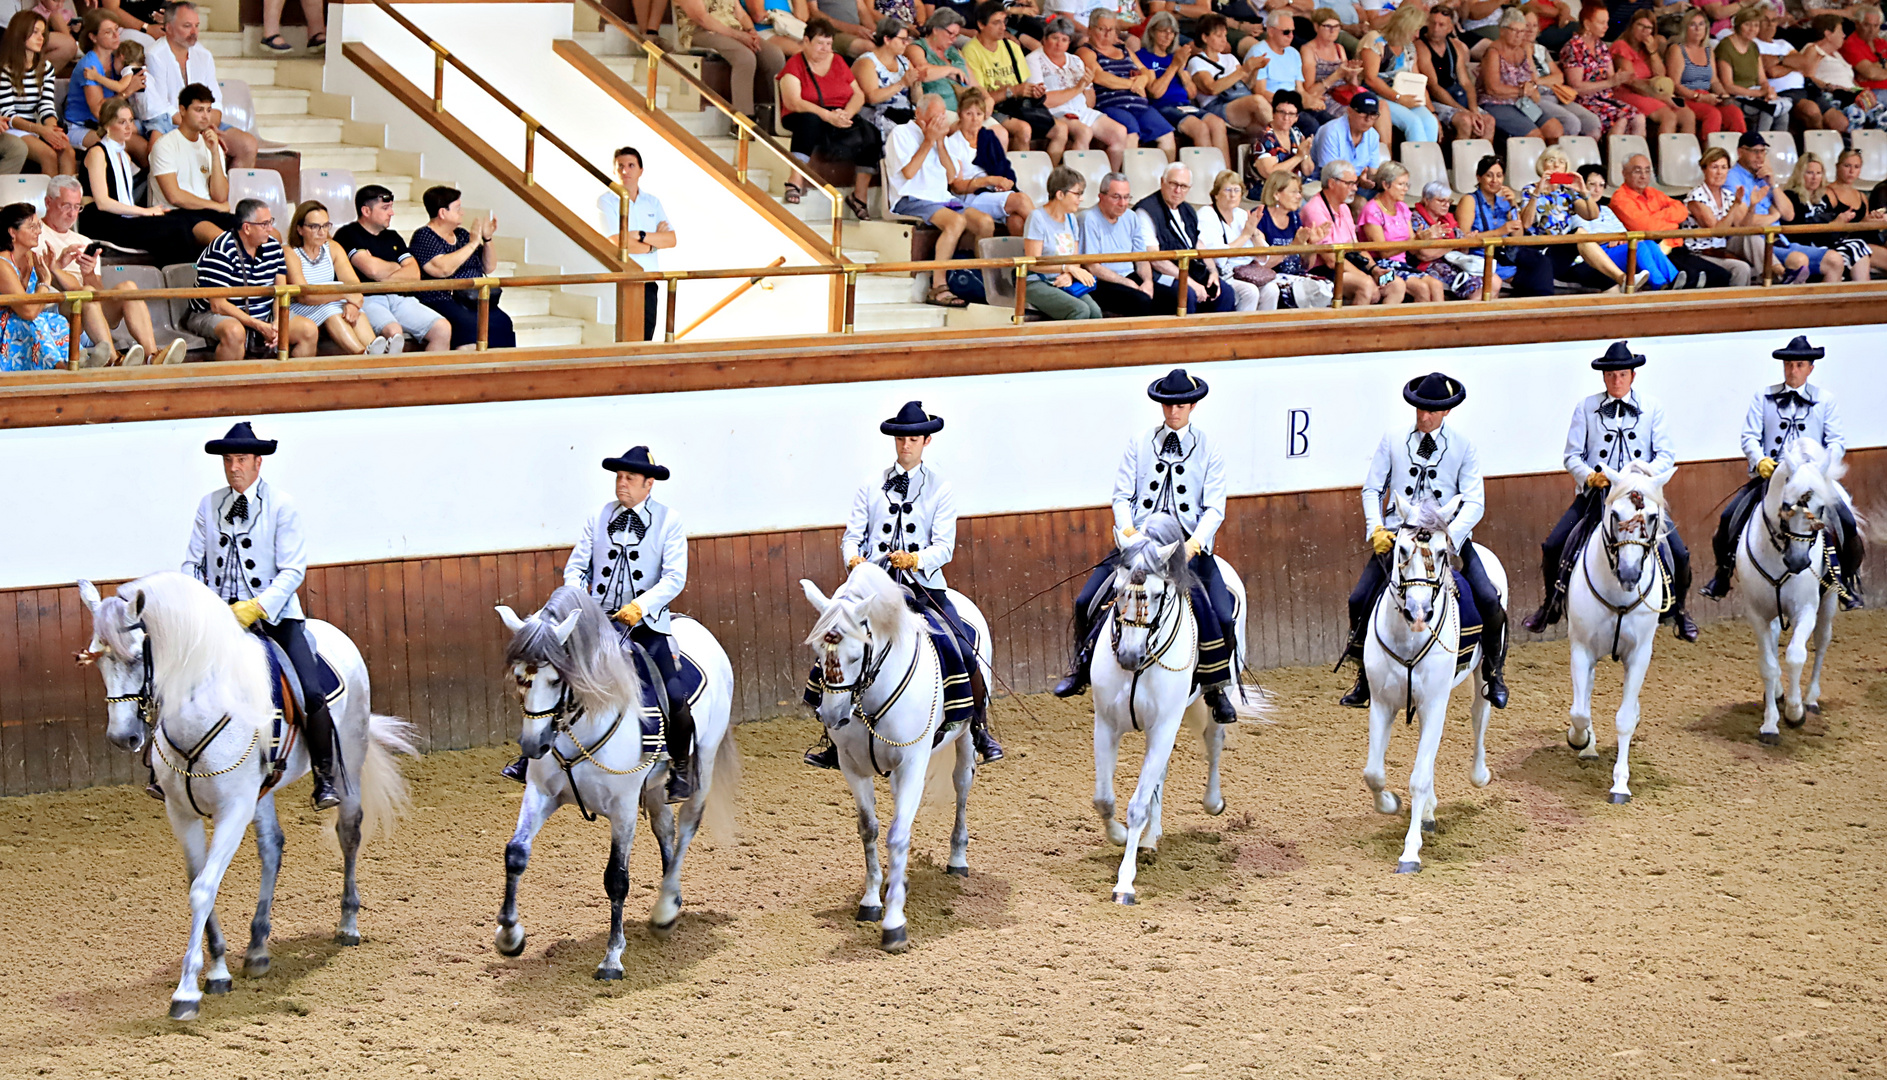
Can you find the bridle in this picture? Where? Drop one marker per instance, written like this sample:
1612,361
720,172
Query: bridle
1437,578
146,695
1134,610
563,717
1634,535
870,668
1780,537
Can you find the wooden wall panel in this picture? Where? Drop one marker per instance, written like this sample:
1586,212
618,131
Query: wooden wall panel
434,648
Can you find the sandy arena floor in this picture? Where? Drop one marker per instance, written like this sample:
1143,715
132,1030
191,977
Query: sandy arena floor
1728,922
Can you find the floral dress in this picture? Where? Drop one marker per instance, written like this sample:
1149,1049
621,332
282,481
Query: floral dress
1594,62
1461,284
1553,213
35,344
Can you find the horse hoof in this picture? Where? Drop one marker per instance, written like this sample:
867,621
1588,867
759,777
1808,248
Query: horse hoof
1409,866
1578,745
1215,809
1429,825
1815,708
1116,833
219,986
183,1010
255,967
1387,802
344,937
895,941
1797,722
869,914
1125,899
604,974
509,940
1769,738
957,871
662,931
1620,798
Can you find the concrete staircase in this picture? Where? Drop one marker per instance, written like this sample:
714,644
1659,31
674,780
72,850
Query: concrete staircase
291,107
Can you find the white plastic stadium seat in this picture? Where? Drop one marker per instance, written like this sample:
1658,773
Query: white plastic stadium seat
1468,154
1782,153
150,277
1620,147
1873,147
179,276
1582,149
1206,164
1032,168
1092,165
999,283
1143,168
1677,160
239,106
332,188
24,187
1523,159
884,197
264,184
1825,145
1423,160
1725,139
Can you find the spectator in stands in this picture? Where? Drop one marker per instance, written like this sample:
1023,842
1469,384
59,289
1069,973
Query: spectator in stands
1279,224
1458,271
1740,68
1587,62
187,173
985,182
1281,145
1510,84
1767,204
1553,22
1389,53
1069,86
919,171
1480,23
1387,220
1172,224
1784,66
1330,74
781,23
1351,139
1647,87
1656,268
648,233
1222,84
722,26
1330,207
820,101
1816,204
1834,95
62,252
851,37
1225,224
1002,69
32,336
1847,195
1162,53
1443,60
1557,205
1121,82
1644,208
1866,49
886,76
245,257
115,216
1494,209
1698,85
313,258
148,23
1279,67
178,61
377,253
1558,100
1064,293
444,248
940,63
312,15
100,75
1110,227
28,98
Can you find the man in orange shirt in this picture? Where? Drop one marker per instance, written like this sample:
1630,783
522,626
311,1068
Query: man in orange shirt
1642,207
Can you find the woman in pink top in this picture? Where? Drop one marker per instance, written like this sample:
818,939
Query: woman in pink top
1330,209
1386,220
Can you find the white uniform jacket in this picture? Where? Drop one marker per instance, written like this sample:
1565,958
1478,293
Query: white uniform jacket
616,567
1611,434
1771,425
922,520
259,557
1451,467
1184,477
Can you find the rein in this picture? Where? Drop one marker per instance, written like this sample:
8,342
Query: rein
868,673
1400,586
146,700
1613,543
563,717
1777,581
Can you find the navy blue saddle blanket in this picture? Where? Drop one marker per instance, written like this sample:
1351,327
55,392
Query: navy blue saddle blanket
959,699
1470,622
692,679
282,678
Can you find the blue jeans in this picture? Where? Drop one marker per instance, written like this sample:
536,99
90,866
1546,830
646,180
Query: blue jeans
1651,259
1416,125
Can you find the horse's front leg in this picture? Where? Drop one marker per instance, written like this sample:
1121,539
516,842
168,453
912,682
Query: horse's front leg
1767,633
1796,657
963,776
255,963
1382,719
1214,801
1585,663
227,837
870,904
1637,662
536,808
907,791
1434,713
622,837
1140,809
1106,759
1824,634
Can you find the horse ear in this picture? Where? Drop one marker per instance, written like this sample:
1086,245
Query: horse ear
1658,480
1404,510
137,605
88,592
511,620
568,626
1166,551
814,597
1453,509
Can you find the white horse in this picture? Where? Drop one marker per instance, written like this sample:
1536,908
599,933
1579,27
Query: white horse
1785,578
181,672
882,700
1618,591
1144,682
582,731
1413,658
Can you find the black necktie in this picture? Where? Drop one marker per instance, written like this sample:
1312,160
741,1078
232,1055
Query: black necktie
1171,445
1790,399
1427,449
1617,407
240,511
901,483
637,525
616,523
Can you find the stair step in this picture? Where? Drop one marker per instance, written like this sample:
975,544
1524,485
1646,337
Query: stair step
884,289
297,130
254,72
704,123
522,303
223,43
399,184
905,316
547,330
860,255
333,154
603,43
279,101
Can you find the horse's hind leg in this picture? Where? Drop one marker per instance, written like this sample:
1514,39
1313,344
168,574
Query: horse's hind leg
532,813
1106,759
255,962
963,775
1824,633
1479,711
870,904
347,831
686,824
622,836
1214,801
1767,632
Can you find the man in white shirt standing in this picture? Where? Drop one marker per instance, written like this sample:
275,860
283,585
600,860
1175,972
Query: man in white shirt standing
187,172
919,169
648,230
175,63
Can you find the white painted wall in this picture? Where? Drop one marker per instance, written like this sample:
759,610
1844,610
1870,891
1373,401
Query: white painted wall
510,46
386,483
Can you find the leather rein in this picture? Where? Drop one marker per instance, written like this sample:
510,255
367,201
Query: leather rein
1444,586
563,717
1614,543
869,670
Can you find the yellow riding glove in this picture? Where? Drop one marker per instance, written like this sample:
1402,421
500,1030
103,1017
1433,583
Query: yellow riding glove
1129,533
1766,467
1596,479
851,564
1192,548
1381,540
903,560
629,614
247,612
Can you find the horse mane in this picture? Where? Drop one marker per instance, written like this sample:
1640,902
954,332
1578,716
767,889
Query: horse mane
592,661
873,597
1804,455
197,643
1428,516
111,625
1142,552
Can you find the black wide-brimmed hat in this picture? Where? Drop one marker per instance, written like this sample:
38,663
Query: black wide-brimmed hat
912,420
1434,392
1619,357
1177,388
240,440
637,460
1800,349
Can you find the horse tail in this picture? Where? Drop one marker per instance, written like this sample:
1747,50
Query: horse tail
1252,702
723,791
383,792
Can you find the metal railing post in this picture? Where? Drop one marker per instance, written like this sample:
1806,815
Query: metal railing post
1021,314
743,140
1769,255
282,293
851,298
1336,277
673,278
1631,263
484,314
73,332
530,149
439,76
1182,285
622,221
1488,271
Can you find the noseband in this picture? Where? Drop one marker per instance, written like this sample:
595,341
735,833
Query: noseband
1134,610
145,696
869,669
1401,585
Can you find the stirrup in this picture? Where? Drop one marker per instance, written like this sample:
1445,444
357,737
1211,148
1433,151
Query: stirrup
1718,586
325,797
823,756
987,748
1220,704
1358,697
681,782
516,769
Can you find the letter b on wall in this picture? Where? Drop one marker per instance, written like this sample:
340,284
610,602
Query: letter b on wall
1297,433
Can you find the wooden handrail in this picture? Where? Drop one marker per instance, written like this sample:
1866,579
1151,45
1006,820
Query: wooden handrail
738,292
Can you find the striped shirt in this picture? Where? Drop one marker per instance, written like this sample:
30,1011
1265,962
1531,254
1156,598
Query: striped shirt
31,98
225,265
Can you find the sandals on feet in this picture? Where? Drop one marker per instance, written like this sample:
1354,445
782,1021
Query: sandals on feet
317,43
943,297
791,198
276,43
858,208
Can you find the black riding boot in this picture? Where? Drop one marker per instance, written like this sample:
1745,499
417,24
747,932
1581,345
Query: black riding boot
1221,705
987,748
1682,624
681,737
1077,678
825,755
1494,655
515,770
1358,697
318,730
1718,586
